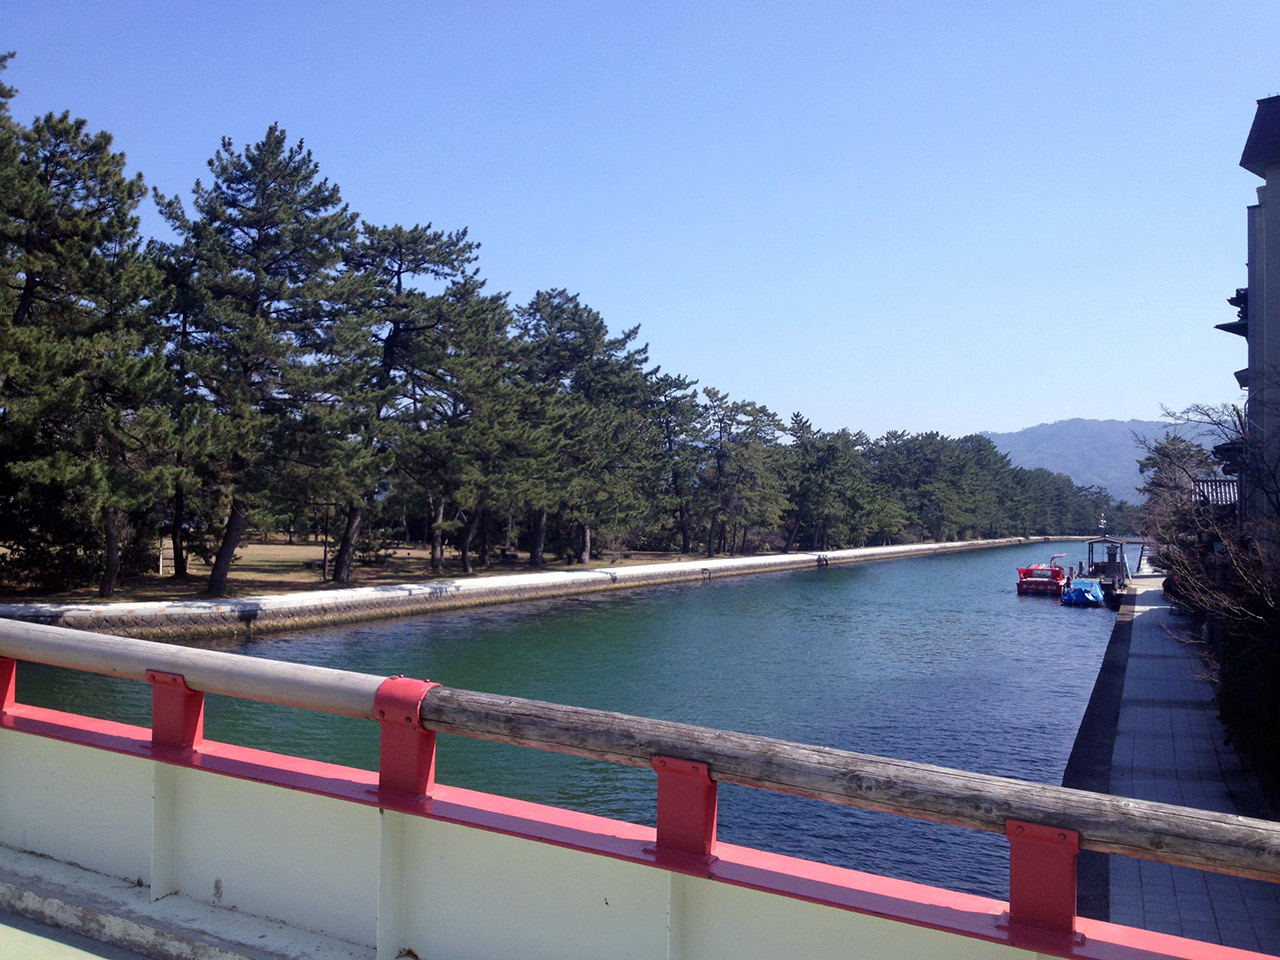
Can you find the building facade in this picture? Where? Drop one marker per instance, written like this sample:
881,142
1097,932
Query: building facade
1257,457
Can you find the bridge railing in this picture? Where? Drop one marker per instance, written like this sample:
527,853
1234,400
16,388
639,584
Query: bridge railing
1045,825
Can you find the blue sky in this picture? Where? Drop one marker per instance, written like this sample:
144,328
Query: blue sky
910,215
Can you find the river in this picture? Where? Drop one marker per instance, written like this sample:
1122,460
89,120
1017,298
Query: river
932,659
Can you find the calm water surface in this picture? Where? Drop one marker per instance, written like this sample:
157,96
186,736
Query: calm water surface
932,659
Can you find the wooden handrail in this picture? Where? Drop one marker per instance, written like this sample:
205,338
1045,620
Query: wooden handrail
342,692
1223,843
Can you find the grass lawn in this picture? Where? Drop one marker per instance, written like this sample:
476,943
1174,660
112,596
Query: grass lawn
280,567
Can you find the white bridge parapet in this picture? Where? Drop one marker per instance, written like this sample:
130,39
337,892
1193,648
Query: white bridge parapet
389,864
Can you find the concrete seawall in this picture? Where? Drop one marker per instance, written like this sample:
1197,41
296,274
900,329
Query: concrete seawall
172,620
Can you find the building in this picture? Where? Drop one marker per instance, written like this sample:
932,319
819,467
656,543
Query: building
1257,458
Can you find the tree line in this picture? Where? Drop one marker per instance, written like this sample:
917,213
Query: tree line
278,359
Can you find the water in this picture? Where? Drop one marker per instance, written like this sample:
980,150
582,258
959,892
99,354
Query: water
933,659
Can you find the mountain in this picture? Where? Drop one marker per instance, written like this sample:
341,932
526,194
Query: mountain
1093,453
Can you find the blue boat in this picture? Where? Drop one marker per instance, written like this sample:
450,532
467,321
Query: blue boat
1083,593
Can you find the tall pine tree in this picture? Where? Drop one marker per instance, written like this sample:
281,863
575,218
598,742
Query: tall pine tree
79,394
278,340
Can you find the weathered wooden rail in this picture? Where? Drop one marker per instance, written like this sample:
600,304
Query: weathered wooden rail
1181,836
1224,843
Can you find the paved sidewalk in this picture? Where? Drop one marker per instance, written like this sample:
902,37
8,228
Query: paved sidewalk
1170,747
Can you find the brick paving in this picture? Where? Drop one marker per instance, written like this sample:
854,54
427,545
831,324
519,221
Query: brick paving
1170,747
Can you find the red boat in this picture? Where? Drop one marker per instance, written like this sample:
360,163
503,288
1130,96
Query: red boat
1046,578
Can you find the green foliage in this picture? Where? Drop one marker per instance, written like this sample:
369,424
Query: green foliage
278,361
1170,470
79,424
280,355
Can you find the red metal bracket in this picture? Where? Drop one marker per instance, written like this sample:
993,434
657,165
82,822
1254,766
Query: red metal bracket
177,711
1042,875
407,752
8,678
686,806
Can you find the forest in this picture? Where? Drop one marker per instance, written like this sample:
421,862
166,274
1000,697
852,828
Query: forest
276,362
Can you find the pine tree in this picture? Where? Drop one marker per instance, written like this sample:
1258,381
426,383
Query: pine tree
79,392
405,327
678,417
608,449
273,343
742,481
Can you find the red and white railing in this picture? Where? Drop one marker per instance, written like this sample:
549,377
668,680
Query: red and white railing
408,864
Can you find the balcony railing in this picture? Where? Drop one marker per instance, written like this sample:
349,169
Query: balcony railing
1218,491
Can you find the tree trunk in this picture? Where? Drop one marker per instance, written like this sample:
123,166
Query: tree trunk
791,537
466,541
585,555
175,532
745,528
27,300
111,528
711,538
437,538
484,544
347,549
237,520
537,555
682,514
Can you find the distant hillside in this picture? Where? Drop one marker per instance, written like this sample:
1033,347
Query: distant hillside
1093,453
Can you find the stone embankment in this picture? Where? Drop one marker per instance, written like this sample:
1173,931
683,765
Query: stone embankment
173,620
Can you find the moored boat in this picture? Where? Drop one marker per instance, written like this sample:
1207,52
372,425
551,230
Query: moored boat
1043,578
1082,592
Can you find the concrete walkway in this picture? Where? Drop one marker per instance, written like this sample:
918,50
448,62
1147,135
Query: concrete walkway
1170,747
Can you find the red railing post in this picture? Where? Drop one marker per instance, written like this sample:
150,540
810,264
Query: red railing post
8,677
1042,875
407,752
686,806
177,711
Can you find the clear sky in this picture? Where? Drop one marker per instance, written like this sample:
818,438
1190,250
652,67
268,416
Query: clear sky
884,215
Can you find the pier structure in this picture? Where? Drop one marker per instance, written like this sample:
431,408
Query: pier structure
175,845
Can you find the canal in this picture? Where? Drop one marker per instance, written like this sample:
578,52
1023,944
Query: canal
931,659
